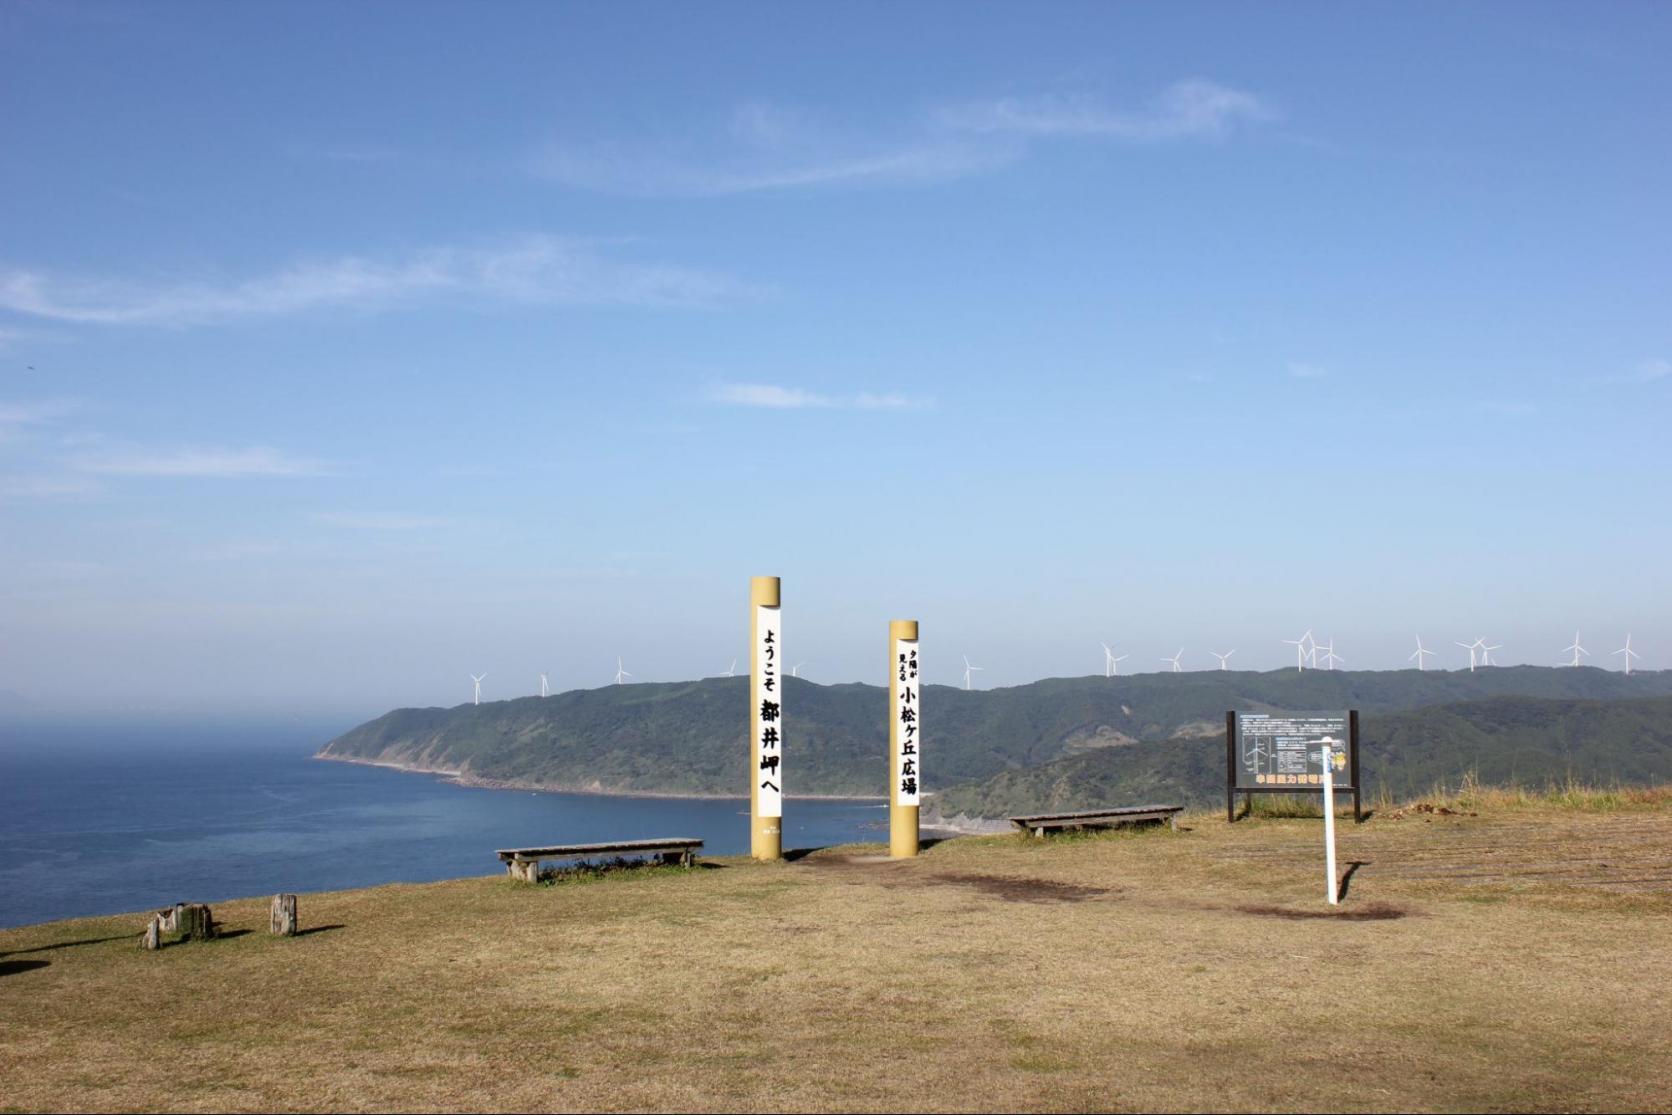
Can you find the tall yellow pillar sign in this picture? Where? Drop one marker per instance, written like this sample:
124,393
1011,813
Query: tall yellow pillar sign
766,720
905,737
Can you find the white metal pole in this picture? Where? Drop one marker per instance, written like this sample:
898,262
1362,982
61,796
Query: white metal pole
1329,820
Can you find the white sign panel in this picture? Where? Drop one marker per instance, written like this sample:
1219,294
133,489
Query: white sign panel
908,759
768,718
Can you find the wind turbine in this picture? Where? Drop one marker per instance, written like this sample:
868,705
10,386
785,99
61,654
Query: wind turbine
1419,653
1576,649
1330,657
1486,652
619,672
968,670
1471,648
1111,664
795,670
1177,669
478,680
1629,653
1222,657
732,668
1300,649
543,690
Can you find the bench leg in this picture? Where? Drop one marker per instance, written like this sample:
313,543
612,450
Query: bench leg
1173,823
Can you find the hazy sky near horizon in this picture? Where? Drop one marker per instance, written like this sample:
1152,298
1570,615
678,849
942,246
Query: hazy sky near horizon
349,350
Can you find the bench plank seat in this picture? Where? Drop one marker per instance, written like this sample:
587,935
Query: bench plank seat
524,863
1041,823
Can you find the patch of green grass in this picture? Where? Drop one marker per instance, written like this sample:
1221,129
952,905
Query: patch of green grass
1472,795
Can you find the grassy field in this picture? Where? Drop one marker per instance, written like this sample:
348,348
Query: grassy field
1517,958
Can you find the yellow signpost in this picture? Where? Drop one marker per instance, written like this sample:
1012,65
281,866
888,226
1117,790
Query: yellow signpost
766,723
905,765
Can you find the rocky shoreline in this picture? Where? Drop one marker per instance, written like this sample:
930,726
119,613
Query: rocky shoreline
465,778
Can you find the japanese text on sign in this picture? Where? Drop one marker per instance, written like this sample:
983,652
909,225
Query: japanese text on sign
1284,749
908,759
768,719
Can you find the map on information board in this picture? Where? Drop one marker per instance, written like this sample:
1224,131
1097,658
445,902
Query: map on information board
1275,749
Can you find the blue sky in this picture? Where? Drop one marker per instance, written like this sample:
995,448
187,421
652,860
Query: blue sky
346,351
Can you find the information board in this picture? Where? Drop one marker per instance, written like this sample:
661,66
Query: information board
1282,753
1284,748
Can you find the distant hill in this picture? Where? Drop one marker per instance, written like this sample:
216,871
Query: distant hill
1504,740
687,737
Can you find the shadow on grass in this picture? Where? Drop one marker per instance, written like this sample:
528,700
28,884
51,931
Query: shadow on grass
1347,879
1371,911
312,929
802,853
71,944
13,967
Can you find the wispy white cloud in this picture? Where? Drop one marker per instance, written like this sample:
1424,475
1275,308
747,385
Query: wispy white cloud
216,463
1300,370
34,412
778,397
47,486
889,400
383,520
768,395
769,147
1649,371
542,270
1194,109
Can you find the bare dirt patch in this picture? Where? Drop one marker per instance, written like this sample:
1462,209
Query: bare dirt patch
1014,889
1373,911
885,871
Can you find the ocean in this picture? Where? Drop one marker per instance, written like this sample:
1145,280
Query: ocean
101,819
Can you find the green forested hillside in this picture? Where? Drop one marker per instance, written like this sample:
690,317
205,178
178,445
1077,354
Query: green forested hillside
1502,740
688,736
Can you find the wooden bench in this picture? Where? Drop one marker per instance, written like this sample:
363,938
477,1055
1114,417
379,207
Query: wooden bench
524,863
1041,823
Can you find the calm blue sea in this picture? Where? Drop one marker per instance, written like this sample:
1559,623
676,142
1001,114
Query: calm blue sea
106,820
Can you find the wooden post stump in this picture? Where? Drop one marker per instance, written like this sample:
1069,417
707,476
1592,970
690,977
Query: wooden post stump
283,920
195,921
153,938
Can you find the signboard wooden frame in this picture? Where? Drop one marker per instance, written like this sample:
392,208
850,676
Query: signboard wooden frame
1232,789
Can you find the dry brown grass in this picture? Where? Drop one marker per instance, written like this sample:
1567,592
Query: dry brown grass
1517,959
